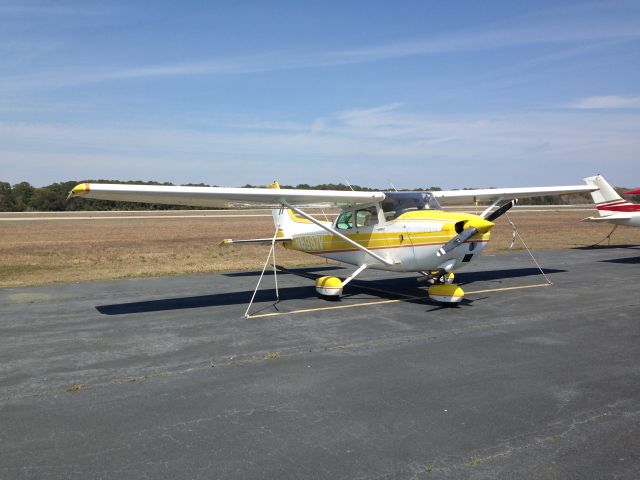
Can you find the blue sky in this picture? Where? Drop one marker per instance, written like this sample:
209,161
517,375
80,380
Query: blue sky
453,94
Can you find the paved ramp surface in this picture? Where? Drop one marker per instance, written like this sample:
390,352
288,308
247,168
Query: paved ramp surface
164,378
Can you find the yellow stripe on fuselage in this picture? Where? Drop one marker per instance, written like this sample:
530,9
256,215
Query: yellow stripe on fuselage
323,243
375,241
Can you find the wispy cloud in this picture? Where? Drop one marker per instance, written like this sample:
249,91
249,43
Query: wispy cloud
608,101
505,149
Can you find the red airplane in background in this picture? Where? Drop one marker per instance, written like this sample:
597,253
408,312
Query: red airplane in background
611,206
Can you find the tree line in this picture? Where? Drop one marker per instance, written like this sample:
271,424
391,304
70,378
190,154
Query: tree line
23,197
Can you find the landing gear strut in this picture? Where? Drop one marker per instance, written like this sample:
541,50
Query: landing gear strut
442,289
332,286
437,277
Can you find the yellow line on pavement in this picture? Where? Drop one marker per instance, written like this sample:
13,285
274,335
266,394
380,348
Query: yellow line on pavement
382,302
335,307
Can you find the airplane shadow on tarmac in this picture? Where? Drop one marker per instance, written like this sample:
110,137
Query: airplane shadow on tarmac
625,260
608,247
387,288
282,270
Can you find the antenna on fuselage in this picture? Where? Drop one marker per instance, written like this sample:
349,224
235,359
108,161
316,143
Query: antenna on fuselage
349,185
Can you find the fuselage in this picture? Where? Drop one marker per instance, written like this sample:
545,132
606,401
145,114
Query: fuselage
620,212
410,241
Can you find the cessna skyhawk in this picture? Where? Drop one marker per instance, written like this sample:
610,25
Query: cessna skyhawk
395,231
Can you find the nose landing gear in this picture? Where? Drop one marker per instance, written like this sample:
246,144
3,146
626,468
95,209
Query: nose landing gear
442,289
446,293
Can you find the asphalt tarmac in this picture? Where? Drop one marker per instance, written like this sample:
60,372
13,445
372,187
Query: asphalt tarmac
164,378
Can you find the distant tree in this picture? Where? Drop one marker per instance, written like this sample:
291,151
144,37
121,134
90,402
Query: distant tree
7,203
22,193
46,199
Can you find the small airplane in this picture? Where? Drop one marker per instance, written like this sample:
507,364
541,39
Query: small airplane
386,230
611,206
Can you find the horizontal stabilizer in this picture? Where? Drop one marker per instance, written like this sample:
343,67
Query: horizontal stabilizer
608,218
260,241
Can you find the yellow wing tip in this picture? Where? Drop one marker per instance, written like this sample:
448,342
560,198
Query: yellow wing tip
78,190
226,241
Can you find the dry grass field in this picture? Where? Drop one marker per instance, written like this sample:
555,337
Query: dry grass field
36,252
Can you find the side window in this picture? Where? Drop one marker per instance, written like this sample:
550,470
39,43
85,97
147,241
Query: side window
366,217
389,210
345,221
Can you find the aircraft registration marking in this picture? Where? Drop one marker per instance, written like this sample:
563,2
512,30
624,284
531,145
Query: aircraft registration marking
309,243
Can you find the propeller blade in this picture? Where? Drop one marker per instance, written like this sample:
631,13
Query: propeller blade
501,211
457,240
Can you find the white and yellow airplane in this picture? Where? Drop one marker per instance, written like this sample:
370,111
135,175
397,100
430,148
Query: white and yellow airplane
395,231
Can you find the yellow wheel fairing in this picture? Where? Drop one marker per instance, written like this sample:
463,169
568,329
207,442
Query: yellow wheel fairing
446,293
329,286
333,282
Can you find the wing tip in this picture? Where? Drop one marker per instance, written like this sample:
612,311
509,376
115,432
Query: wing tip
79,190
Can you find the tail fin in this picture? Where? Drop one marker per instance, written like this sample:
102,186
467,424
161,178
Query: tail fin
287,222
605,197
290,224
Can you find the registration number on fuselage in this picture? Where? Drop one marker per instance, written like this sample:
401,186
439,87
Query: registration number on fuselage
309,243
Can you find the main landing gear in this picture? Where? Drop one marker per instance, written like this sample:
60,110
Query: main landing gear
441,286
331,287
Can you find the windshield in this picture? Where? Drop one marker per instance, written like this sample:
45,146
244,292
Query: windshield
397,203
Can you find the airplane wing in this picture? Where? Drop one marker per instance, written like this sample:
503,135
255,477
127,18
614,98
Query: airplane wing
211,196
511,193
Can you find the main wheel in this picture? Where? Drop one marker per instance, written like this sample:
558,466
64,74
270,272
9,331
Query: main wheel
329,287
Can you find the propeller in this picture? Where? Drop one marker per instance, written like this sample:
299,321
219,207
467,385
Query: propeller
502,210
458,240
474,226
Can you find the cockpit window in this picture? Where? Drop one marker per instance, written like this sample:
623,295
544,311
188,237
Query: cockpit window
344,220
366,217
397,203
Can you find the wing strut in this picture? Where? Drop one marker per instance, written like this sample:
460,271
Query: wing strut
337,234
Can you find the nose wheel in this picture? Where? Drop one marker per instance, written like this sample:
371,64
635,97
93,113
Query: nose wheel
441,287
448,293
